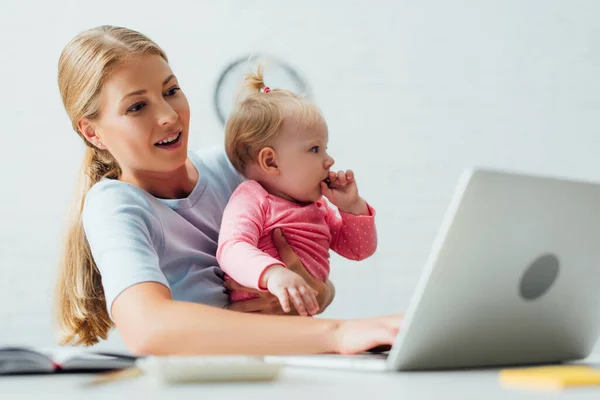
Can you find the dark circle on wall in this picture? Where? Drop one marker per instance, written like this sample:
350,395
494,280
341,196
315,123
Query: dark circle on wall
278,74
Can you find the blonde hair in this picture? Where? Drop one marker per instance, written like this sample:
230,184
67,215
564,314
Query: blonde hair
84,66
256,120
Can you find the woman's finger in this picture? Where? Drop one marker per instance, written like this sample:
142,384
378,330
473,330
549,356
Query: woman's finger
297,301
310,300
394,321
289,257
284,249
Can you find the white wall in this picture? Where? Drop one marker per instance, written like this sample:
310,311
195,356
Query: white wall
413,92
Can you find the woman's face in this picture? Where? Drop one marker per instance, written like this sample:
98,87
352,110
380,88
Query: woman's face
144,118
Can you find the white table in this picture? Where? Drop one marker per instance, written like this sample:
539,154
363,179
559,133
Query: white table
294,383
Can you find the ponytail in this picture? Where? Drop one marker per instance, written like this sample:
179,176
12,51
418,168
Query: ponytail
255,81
81,310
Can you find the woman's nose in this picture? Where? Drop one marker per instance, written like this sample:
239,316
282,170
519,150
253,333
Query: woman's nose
167,115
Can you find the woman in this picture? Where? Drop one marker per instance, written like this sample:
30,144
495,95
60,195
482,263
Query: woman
140,249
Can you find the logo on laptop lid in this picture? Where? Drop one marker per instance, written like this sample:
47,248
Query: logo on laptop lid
539,277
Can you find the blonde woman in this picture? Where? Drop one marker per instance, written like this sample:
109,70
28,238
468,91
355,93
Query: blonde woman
140,253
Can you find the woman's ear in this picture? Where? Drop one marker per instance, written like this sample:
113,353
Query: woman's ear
88,131
267,161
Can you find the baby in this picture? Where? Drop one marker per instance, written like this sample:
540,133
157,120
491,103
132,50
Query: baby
278,141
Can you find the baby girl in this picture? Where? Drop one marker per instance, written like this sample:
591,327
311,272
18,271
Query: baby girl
278,141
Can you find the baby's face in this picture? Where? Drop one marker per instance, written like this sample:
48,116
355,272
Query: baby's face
303,160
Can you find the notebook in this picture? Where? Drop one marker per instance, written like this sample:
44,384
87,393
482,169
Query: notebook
29,360
551,377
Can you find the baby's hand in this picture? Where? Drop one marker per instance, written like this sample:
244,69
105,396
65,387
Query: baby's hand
286,284
343,193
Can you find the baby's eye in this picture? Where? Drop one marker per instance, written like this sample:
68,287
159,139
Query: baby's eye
314,149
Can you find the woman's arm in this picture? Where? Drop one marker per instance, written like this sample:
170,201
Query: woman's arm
150,322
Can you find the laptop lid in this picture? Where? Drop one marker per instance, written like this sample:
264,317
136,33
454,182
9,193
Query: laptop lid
513,276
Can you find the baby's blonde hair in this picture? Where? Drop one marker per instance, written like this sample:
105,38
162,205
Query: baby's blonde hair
85,64
256,120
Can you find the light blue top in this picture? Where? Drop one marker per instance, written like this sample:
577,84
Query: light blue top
135,237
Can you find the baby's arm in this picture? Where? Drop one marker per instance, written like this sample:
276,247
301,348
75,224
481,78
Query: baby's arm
352,236
241,227
238,255
352,224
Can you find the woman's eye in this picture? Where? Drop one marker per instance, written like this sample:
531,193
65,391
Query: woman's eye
136,107
172,91
314,149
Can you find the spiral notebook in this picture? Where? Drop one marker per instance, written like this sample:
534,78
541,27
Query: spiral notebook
29,360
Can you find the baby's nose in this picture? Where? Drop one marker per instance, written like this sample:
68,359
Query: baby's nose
329,162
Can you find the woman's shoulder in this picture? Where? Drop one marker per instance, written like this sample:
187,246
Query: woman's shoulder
112,189
110,196
121,211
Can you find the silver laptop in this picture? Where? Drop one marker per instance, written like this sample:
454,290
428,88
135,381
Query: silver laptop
513,278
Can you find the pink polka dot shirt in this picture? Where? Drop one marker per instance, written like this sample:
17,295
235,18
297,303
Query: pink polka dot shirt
246,248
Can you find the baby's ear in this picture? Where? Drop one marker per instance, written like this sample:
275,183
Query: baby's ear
267,161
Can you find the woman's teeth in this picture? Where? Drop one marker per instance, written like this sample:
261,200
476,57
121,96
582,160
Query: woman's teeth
170,139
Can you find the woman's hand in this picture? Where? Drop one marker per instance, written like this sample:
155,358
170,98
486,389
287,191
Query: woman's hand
325,290
266,303
360,335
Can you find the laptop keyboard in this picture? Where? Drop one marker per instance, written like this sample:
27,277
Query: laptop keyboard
364,361
361,356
